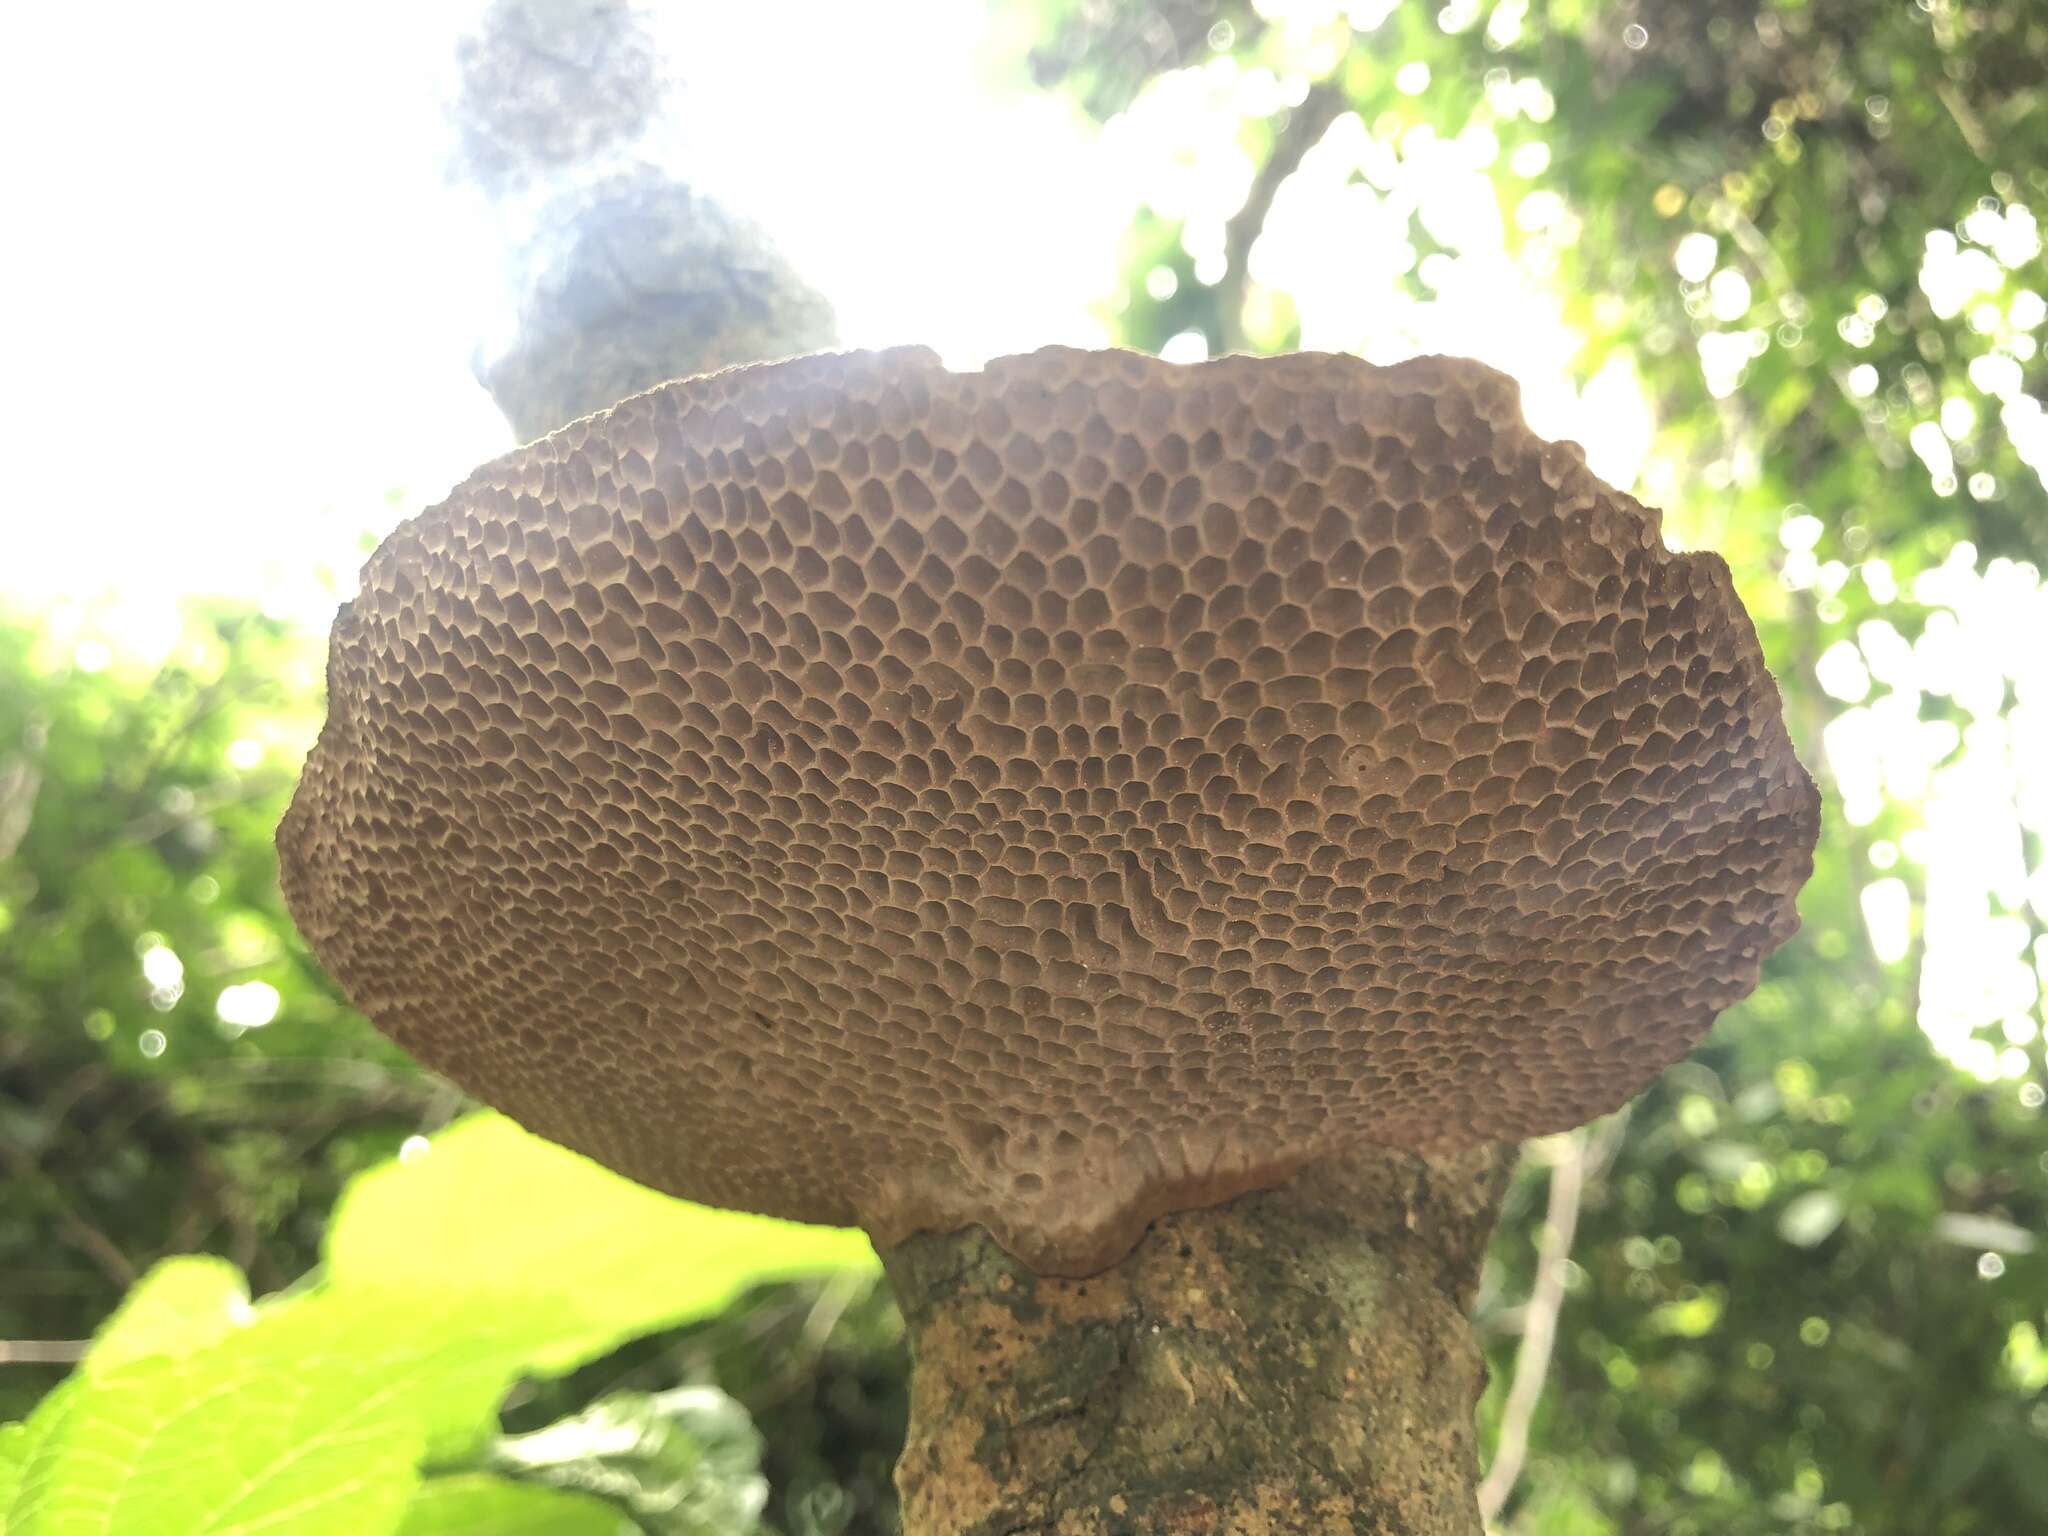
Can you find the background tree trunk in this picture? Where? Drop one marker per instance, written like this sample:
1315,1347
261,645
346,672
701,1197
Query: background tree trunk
619,275
1298,1360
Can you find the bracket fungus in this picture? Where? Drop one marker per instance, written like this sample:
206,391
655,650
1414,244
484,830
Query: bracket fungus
1048,799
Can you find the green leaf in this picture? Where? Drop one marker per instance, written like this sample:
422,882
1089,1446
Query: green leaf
477,1504
686,1463
449,1276
181,1305
16,1442
310,1421
503,1221
458,1362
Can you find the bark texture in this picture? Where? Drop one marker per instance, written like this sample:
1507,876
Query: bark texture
1298,1360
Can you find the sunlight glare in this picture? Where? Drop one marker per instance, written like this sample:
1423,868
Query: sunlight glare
296,377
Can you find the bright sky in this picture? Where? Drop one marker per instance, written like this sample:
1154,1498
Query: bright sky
238,334
240,300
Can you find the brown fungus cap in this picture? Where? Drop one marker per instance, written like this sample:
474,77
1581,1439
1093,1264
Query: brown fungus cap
1044,797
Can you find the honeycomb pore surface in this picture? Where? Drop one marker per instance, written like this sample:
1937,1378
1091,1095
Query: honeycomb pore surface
1048,796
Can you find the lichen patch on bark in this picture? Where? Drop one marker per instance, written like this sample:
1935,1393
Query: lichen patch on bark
1296,1361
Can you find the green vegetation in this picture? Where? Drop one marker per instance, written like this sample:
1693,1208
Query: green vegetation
368,1397
1806,1292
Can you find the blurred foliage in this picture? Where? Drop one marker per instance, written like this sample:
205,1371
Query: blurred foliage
1807,1294
1807,1290
681,1463
134,1121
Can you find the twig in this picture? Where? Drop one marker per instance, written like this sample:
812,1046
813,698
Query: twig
830,1304
1306,125
43,1351
151,825
19,782
1966,120
366,1077
83,1235
839,1293
444,1103
205,700
1586,1153
58,1104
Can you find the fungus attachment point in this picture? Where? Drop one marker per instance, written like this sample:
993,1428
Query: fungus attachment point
1297,1360
1044,798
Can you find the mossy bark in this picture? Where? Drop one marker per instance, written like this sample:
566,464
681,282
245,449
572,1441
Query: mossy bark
1298,1360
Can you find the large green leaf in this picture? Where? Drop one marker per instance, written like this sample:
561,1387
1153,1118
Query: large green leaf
182,1305
313,1419
450,1274
228,1441
477,1504
494,1215
16,1442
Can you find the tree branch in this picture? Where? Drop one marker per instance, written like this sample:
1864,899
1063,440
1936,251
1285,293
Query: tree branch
83,1235
43,1351
1586,1154
19,782
1306,125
